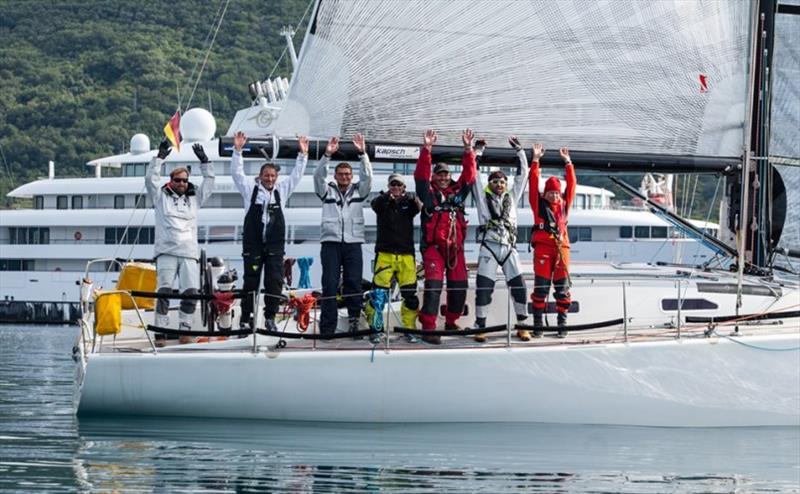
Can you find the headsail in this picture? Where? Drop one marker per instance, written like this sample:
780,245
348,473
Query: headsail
667,77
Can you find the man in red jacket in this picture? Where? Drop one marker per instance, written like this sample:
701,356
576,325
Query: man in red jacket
444,228
550,240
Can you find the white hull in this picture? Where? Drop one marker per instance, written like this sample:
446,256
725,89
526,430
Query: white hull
663,372
697,382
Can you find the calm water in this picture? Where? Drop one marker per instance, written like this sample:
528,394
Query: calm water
44,448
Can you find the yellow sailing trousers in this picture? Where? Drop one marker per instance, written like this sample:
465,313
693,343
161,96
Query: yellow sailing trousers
403,268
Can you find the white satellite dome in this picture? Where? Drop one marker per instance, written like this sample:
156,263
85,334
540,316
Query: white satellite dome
197,125
140,143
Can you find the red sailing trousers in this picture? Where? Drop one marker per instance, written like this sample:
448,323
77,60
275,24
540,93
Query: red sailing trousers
549,265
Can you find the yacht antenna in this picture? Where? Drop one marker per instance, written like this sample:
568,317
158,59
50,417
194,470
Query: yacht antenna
288,33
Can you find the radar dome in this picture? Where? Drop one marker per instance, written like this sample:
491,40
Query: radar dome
140,143
197,125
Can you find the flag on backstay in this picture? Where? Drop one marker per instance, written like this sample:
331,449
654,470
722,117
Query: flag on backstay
173,130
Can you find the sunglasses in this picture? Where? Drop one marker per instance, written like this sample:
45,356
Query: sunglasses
396,184
181,180
498,181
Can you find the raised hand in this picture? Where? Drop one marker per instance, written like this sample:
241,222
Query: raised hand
538,151
200,152
164,149
514,142
332,147
466,137
564,152
239,140
429,138
302,144
360,143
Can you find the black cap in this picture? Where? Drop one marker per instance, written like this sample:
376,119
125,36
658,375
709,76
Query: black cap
440,167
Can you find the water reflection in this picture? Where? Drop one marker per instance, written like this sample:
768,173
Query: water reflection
44,448
313,457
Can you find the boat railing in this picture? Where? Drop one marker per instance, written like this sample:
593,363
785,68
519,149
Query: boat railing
659,325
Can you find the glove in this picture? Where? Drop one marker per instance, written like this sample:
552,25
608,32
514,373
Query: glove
200,153
164,149
515,143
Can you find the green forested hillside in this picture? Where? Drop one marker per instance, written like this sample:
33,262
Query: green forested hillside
78,79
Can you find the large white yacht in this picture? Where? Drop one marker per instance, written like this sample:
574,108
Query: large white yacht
45,249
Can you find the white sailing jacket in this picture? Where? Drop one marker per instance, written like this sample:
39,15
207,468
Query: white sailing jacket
343,213
284,186
176,215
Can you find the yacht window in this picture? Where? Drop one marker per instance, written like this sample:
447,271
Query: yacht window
572,232
139,201
38,202
231,201
642,232
133,235
77,202
16,264
33,236
688,304
625,232
119,202
584,234
370,234
658,232
580,201
62,202
221,234
305,233
597,202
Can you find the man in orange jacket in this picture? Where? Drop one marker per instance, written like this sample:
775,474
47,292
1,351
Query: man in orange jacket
550,240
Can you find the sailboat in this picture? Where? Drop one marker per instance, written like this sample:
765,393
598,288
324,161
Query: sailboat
664,87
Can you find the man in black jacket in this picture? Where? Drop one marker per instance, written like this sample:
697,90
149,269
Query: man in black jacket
394,248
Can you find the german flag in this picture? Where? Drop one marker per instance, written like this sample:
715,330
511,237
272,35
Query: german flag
173,130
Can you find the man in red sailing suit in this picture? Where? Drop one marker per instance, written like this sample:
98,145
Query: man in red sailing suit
444,228
550,240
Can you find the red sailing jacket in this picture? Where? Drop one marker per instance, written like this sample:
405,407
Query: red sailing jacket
546,221
439,203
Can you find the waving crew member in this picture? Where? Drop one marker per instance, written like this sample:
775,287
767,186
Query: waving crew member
264,234
550,239
497,213
444,228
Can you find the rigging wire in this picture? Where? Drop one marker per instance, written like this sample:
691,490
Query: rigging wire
208,52
7,168
205,41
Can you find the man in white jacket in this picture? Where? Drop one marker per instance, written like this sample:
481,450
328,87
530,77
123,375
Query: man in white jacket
176,251
342,232
264,233
497,234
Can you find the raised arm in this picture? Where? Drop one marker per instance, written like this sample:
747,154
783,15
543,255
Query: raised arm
569,175
478,187
469,167
321,173
244,186
205,189
533,176
365,172
288,184
422,172
153,177
522,169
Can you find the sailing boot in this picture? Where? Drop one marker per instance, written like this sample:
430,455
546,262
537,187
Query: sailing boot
538,324
408,317
184,339
522,334
352,326
480,322
562,321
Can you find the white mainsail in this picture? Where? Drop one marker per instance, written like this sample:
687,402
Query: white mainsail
667,77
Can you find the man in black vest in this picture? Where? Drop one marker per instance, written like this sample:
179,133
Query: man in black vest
264,235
